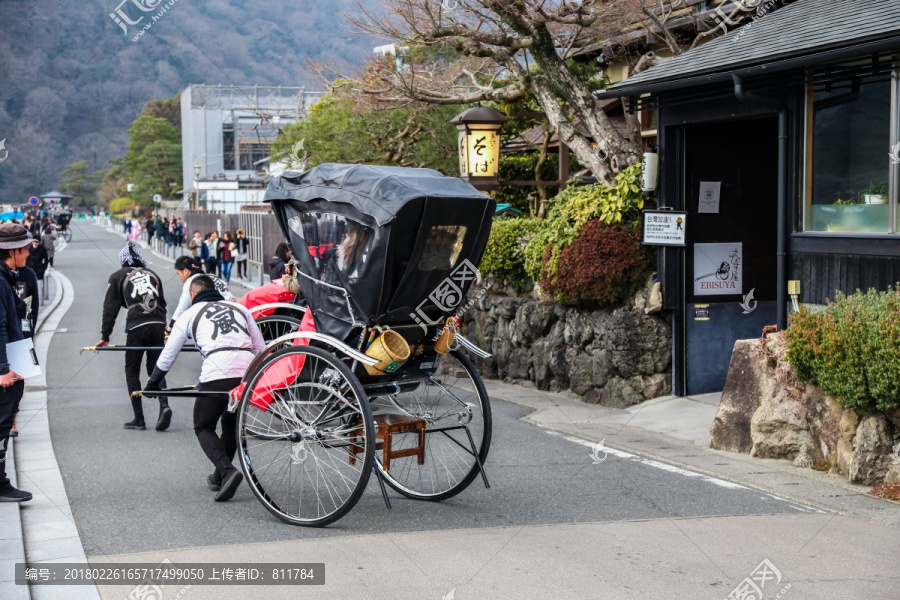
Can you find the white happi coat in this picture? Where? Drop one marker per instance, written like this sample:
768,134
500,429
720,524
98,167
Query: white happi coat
227,336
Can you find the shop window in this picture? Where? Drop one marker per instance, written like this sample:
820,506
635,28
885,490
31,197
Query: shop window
848,166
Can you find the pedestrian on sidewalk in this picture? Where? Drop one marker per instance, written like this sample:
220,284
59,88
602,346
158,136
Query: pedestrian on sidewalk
188,268
211,254
194,245
228,340
27,290
140,291
13,254
149,229
228,250
48,241
243,253
135,231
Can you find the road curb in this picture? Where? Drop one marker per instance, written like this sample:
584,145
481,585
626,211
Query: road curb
50,508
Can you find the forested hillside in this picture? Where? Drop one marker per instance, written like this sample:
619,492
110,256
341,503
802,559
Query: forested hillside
72,81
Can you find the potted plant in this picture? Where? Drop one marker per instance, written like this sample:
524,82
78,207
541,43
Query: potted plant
875,193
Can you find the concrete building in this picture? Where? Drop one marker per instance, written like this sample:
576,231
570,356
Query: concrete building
226,132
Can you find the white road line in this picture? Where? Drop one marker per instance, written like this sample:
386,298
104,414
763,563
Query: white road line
673,469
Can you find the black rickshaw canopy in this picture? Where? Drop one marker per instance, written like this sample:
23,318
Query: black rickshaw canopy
381,245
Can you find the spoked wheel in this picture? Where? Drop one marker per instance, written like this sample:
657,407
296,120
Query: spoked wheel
305,436
454,405
274,326
67,234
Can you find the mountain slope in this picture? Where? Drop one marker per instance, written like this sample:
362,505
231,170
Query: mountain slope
71,81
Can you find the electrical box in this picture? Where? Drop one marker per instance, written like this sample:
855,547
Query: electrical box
794,287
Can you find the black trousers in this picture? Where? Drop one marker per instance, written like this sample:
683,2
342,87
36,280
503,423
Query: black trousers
242,268
211,266
208,410
9,402
145,335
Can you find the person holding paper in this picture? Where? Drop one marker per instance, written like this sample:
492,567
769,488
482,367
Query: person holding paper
14,242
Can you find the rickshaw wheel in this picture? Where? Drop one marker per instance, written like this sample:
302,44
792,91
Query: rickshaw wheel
67,234
308,455
454,404
273,327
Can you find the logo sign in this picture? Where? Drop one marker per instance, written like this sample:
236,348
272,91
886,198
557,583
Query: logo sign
157,198
717,269
663,228
701,312
3,148
749,304
448,294
33,201
895,154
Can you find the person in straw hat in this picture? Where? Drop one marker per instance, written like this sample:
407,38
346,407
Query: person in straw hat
14,242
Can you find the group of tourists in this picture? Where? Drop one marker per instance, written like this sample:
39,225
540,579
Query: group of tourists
219,255
170,231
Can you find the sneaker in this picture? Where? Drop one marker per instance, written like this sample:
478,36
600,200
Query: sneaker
214,481
165,417
230,482
11,494
136,424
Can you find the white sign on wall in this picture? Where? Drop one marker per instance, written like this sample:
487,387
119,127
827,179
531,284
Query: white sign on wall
710,193
664,228
717,269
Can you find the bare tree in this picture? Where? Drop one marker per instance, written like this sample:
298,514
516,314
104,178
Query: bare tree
465,51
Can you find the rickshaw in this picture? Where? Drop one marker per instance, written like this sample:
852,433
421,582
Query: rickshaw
375,380
62,220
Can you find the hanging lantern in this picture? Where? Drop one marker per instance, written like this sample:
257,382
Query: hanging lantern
479,146
649,171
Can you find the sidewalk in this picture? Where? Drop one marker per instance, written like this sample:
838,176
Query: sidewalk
674,433
33,439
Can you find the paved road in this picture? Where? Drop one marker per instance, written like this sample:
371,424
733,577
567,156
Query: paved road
144,491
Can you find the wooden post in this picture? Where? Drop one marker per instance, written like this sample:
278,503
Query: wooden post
563,165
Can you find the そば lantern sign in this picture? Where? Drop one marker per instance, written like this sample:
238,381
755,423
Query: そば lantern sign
479,146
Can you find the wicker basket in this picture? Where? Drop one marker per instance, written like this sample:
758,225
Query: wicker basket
390,349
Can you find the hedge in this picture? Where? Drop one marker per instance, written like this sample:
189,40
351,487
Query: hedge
504,256
851,349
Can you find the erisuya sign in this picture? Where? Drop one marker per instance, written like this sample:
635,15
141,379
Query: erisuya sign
717,269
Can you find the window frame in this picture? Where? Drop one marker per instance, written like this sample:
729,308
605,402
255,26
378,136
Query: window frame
893,226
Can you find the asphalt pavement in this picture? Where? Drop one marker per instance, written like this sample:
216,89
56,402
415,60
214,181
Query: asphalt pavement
561,518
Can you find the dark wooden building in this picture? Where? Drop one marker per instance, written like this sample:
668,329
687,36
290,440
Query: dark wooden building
781,141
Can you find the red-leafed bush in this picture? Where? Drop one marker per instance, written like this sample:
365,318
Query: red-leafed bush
603,267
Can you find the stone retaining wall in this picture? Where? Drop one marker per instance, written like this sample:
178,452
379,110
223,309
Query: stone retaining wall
611,357
767,412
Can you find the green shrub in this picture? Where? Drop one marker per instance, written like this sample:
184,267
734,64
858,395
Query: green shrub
570,210
851,349
120,205
504,256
